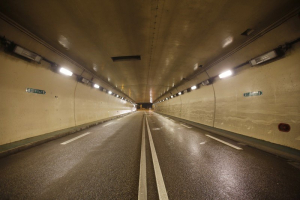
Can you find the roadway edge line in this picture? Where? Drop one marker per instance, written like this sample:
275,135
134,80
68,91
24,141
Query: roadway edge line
228,144
161,188
143,175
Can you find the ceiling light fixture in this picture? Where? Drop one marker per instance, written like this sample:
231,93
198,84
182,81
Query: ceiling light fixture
225,74
65,71
194,87
96,86
109,92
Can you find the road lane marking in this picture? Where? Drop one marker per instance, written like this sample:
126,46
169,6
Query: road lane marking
161,188
186,126
231,145
107,124
143,175
75,138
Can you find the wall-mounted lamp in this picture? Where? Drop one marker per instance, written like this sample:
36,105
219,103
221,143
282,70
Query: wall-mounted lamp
96,86
65,71
194,87
225,74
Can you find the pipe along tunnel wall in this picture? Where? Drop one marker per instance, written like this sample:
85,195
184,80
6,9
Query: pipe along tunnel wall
222,105
67,103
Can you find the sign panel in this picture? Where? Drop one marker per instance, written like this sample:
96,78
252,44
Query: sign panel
249,94
37,91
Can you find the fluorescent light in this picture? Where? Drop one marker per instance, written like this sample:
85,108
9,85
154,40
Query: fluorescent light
117,96
109,92
179,93
194,87
171,96
225,74
96,86
65,71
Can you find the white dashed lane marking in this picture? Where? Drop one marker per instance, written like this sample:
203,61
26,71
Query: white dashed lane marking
228,144
75,138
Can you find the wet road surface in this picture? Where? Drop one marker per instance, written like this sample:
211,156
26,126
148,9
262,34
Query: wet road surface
103,162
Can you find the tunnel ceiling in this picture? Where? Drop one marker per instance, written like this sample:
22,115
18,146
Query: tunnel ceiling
172,37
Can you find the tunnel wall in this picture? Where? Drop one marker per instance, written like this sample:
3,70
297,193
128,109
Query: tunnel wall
67,103
222,104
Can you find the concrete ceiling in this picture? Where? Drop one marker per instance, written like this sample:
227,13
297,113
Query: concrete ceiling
172,37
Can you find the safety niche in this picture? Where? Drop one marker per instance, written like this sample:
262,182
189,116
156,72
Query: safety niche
249,94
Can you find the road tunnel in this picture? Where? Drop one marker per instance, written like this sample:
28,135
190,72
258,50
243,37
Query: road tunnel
154,99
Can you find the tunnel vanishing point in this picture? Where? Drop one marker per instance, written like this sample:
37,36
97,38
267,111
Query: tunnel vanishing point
152,99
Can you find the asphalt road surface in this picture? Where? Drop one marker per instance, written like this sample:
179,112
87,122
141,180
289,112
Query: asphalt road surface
177,161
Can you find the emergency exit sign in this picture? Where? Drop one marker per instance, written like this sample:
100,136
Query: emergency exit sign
37,91
249,94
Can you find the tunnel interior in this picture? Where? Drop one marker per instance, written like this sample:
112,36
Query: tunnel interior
188,71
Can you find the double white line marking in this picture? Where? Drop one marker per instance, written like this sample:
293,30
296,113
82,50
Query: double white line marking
143,176
161,188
